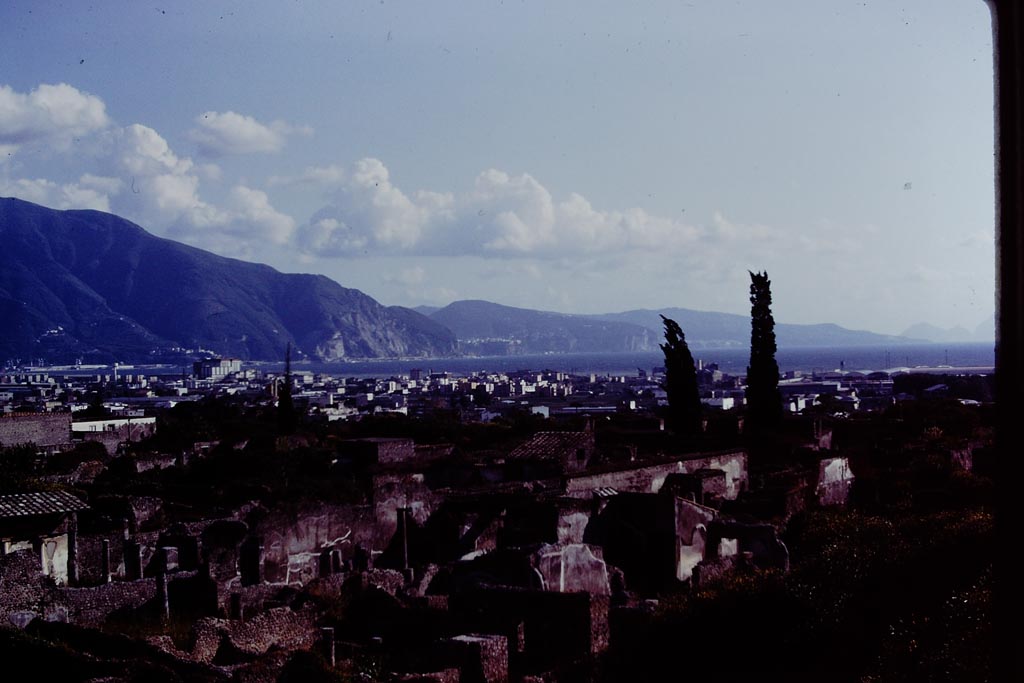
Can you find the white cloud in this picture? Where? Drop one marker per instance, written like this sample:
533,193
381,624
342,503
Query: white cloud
329,236
503,215
369,211
55,195
246,223
134,172
54,114
141,151
252,215
211,172
103,184
219,134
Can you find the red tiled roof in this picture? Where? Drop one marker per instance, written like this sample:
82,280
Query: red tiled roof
39,503
552,445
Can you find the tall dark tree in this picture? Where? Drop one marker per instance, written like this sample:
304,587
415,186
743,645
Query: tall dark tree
764,403
684,407
285,406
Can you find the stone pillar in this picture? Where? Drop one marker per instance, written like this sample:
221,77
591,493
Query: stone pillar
168,558
235,607
163,603
403,536
360,559
517,639
325,568
327,644
132,560
105,562
73,549
480,658
250,561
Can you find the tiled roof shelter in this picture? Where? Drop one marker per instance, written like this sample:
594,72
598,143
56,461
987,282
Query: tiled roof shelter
553,445
39,503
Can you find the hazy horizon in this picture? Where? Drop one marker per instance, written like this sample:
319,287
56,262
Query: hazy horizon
579,158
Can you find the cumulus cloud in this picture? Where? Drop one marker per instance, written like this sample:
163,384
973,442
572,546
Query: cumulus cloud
502,215
223,133
54,114
134,172
368,211
251,212
104,184
60,196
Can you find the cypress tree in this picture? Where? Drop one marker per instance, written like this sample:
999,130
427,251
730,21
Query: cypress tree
684,407
764,402
285,406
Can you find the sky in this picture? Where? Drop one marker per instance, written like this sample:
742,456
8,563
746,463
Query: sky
582,157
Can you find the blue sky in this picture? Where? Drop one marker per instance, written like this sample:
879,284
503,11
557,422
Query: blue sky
571,156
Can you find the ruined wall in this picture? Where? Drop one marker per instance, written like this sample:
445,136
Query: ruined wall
480,658
91,606
401,490
550,627
382,450
395,450
573,568
114,436
760,540
280,627
649,478
834,481
294,537
691,531
54,557
572,523
42,429
90,555
24,591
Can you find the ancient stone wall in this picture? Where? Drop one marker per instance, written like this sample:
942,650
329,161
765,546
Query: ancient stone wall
24,591
550,627
649,478
401,490
42,429
691,530
91,606
835,478
293,538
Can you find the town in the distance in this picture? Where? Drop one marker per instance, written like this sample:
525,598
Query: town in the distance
235,522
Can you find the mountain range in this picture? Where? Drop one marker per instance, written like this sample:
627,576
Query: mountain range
89,285
982,333
86,284
485,327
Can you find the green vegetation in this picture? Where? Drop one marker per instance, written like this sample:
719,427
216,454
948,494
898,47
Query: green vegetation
286,417
23,469
897,587
684,407
763,399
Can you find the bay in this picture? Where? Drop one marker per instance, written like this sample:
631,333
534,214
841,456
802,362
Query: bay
973,355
